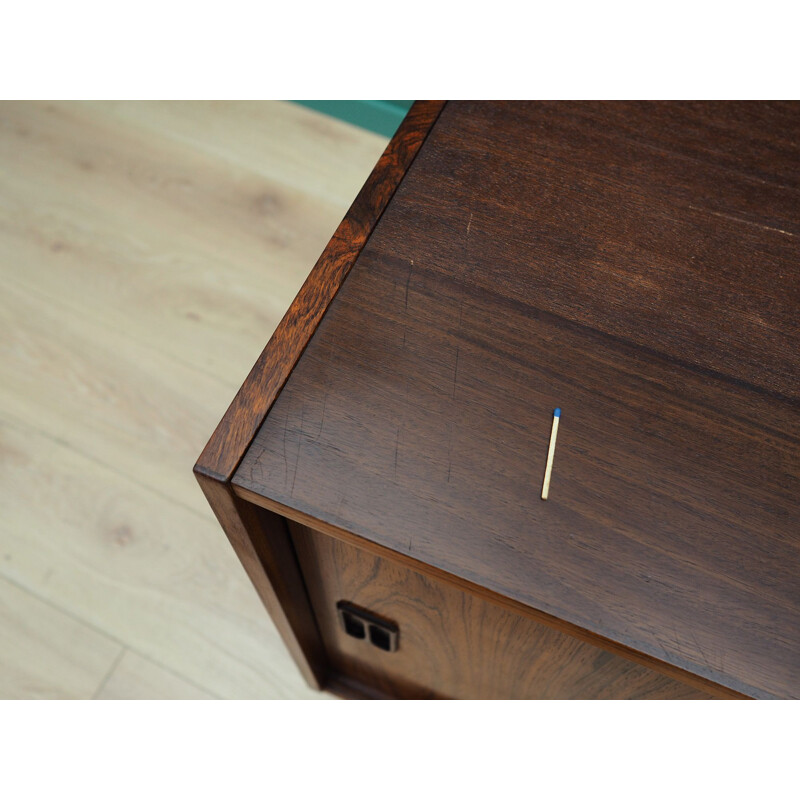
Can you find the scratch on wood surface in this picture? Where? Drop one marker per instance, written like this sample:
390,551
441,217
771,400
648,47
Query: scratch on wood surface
700,650
743,221
300,435
458,348
449,451
658,641
396,448
285,464
296,465
322,421
408,281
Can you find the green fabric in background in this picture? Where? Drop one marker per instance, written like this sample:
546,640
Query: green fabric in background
378,116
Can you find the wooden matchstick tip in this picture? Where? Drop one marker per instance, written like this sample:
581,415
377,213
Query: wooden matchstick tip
557,412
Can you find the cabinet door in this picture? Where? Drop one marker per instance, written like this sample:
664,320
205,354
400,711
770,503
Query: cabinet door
451,643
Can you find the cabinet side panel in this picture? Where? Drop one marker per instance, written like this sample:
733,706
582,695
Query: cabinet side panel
262,542
453,644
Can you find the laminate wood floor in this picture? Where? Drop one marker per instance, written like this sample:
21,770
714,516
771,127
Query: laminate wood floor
147,252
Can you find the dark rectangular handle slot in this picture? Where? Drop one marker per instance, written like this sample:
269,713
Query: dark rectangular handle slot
362,624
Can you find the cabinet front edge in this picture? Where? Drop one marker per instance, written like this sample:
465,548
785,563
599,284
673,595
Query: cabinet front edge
618,648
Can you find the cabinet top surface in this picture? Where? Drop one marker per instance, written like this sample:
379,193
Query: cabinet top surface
635,265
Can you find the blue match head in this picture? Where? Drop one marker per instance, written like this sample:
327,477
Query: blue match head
557,412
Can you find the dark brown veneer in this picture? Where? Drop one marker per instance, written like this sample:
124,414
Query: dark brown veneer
635,264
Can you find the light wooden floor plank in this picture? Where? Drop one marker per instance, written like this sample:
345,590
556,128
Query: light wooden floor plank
45,654
191,255
137,678
125,405
278,140
133,564
147,251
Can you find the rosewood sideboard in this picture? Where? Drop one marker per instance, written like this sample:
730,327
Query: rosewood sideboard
380,472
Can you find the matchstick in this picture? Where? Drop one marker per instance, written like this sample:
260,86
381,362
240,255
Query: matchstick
549,468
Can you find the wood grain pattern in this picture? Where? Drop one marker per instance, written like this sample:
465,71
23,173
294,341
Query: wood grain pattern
454,644
348,686
676,254
227,445
644,281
